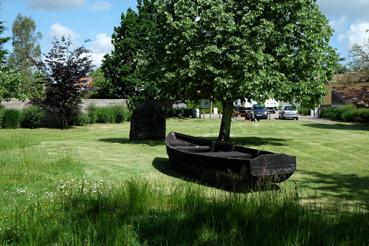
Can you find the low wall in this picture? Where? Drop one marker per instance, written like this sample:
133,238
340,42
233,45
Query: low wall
19,105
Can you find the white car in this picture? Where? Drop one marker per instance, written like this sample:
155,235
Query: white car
289,112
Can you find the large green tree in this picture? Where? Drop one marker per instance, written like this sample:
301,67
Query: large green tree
129,39
231,49
26,50
119,66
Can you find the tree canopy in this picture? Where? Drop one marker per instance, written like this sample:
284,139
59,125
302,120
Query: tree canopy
226,50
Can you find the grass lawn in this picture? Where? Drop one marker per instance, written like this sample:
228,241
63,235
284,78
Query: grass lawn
332,158
332,172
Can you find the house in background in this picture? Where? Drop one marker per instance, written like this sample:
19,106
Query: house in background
348,89
86,83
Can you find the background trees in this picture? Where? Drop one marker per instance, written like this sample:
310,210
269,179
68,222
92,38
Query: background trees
10,82
26,51
119,67
3,40
227,50
360,57
130,39
63,67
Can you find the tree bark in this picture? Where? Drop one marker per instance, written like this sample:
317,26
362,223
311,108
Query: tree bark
225,127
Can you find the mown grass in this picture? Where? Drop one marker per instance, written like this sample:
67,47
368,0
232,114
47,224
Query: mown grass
91,186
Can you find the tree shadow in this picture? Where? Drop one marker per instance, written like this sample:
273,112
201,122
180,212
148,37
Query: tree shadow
258,141
163,166
255,141
350,187
339,126
128,141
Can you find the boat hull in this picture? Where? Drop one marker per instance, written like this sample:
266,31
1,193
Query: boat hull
226,164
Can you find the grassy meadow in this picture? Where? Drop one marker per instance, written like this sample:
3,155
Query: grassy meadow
91,185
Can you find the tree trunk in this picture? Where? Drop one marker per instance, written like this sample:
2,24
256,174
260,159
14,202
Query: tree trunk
225,127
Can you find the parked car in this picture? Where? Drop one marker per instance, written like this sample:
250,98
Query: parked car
257,112
289,112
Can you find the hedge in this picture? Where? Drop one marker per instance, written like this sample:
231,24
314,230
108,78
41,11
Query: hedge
34,117
111,114
11,118
31,117
348,113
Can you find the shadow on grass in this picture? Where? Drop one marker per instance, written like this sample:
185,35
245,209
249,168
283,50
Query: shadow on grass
258,141
339,126
255,141
350,187
163,166
127,141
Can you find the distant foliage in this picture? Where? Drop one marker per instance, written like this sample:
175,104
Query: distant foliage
349,113
304,110
360,57
111,114
105,115
3,40
183,112
31,117
11,118
92,114
102,87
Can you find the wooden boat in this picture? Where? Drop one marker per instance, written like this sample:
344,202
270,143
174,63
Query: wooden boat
226,164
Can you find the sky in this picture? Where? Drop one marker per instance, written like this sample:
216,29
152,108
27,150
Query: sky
95,20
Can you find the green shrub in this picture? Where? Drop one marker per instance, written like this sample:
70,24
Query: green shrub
127,115
118,113
11,118
92,115
1,115
304,111
349,113
364,115
181,113
325,112
31,117
105,115
111,114
81,119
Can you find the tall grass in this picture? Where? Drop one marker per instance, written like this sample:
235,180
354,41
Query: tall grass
138,212
17,140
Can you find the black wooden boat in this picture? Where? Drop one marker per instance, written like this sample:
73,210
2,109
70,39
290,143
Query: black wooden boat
226,164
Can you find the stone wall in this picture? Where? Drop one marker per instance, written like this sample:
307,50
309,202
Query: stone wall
19,105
